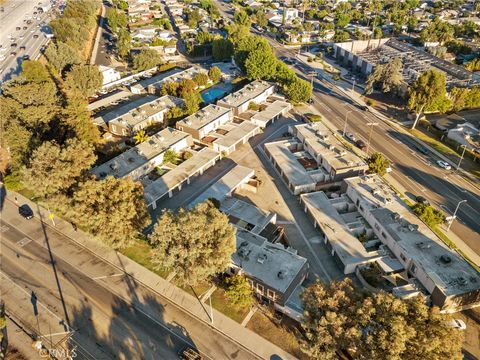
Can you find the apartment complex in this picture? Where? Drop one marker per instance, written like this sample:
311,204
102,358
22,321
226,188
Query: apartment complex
257,92
312,158
367,222
129,118
144,157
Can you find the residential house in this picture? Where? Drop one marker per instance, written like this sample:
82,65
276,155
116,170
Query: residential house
204,121
257,92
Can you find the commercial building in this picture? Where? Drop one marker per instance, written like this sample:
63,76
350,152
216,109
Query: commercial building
369,221
176,176
257,92
144,157
364,55
312,158
205,121
130,117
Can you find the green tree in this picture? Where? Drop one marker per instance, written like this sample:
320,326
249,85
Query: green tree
298,91
237,32
196,244
215,74
84,79
458,96
112,209
388,76
340,36
34,71
378,164
192,103
116,20
3,332
428,214
141,137
123,43
261,19
170,156
338,318
54,168
170,88
77,120
428,93
473,65
193,18
260,65
186,88
241,18
248,44
377,33
238,291
222,49
147,59
61,55
201,79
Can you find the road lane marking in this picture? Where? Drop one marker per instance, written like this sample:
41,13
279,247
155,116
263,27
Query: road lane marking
107,276
23,241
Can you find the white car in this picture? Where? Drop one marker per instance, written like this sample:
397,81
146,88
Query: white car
458,324
350,136
444,165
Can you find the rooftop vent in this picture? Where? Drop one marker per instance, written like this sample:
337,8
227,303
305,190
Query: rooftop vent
446,259
396,216
389,201
422,245
281,274
375,192
114,166
131,160
261,258
412,227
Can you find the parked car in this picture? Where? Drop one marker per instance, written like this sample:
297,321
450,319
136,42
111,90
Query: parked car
189,353
422,200
22,47
18,28
26,57
35,36
444,165
421,149
350,136
458,324
25,27
363,107
13,53
361,144
25,211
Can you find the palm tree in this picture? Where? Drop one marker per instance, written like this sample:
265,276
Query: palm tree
140,137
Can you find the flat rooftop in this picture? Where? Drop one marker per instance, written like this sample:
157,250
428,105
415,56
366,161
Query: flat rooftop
226,184
123,110
137,156
272,110
322,141
203,117
165,76
247,215
246,94
348,248
179,174
445,267
118,95
271,264
231,133
289,163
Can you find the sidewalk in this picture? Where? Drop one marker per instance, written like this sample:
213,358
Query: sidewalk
255,344
355,96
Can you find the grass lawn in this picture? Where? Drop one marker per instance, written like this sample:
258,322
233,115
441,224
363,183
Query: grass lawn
199,289
139,252
277,334
221,303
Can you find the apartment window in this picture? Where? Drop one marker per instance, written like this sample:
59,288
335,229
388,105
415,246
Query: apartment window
271,294
377,226
260,289
403,257
358,202
124,132
384,235
361,208
413,269
114,128
251,284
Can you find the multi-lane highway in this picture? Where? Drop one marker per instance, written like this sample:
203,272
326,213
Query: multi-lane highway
23,32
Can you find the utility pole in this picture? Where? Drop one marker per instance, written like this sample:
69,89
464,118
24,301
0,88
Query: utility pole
455,214
346,118
461,157
371,124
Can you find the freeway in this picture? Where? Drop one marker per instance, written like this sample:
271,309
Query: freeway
19,38
113,315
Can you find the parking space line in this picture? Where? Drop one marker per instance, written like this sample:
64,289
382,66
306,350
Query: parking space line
23,241
4,228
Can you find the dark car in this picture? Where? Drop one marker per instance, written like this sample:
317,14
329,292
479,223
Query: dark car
25,211
26,57
423,150
35,36
18,28
422,200
363,107
361,144
189,353
22,47
25,27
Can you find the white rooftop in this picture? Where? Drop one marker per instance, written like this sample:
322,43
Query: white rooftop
203,117
271,264
247,93
137,156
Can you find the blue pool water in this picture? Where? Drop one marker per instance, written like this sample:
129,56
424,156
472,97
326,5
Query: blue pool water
212,94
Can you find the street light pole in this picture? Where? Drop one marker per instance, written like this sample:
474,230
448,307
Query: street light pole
461,157
353,86
371,124
346,118
455,213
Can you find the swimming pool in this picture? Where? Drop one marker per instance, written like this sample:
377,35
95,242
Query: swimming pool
212,94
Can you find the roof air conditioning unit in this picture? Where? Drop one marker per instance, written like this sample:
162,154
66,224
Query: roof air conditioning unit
261,258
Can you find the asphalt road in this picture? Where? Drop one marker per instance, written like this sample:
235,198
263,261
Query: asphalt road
416,172
105,47
13,16
106,308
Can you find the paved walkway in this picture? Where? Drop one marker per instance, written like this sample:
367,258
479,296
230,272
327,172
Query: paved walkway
231,329
252,312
